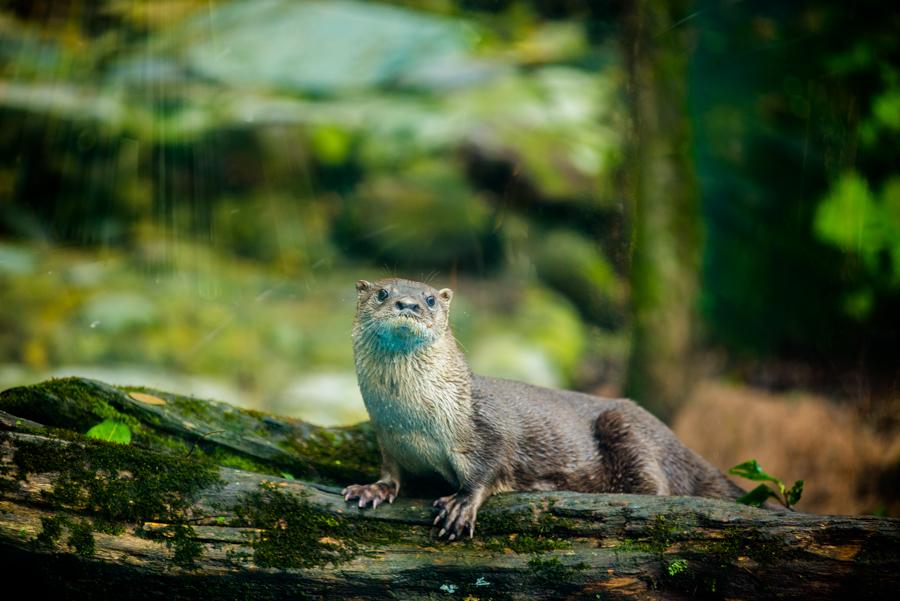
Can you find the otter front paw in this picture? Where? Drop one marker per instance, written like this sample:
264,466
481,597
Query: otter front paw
457,515
379,492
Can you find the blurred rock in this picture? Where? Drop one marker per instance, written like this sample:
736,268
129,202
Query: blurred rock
327,398
516,358
552,322
540,338
425,216
321,48
556,129
86,274
16,260
15,374
117,311
297,230
573,265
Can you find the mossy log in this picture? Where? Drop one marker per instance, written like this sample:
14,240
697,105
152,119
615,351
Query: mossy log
169,515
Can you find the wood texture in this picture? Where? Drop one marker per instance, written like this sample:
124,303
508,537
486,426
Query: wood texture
527,545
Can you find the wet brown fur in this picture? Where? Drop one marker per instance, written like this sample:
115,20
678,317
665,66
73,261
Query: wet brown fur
436,420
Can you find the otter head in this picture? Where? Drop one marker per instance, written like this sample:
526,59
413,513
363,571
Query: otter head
400,316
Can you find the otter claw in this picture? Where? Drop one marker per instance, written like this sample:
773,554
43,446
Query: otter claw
375,494
456,516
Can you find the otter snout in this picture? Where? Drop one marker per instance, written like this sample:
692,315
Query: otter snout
399,316
408,305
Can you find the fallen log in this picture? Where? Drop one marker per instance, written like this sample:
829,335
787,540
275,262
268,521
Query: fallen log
162,516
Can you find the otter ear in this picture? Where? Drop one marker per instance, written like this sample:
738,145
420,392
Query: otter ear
446,295
363,286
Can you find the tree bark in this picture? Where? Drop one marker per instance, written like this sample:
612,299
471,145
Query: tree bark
664,203
245,534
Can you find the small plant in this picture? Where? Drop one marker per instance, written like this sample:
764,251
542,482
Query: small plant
676,567
759,495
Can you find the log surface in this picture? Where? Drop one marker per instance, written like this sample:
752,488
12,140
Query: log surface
257,535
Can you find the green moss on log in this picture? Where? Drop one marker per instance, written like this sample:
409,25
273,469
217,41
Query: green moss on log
525,543
76,404
115,485
340,451
295,533
744,542
298,534
205,429
182,539
51,531
119,483
225,458
551,571
523,530
81,538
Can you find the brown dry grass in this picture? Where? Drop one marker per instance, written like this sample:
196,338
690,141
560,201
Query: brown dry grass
794,436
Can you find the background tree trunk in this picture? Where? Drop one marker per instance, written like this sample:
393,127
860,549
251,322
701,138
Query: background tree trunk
82,519
665,210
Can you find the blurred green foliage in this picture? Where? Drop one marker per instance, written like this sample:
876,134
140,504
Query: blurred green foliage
865,227
194,186
277,342
226,172
795,112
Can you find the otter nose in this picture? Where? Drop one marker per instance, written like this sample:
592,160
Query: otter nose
407,304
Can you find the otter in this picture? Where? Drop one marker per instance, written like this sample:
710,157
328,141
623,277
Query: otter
436,420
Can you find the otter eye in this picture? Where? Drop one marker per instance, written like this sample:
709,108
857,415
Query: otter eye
430,301
383,294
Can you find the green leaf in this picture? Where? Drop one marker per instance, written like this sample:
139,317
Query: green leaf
111,431
890,204
793,495
849,218
757,496
886,109
752,471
